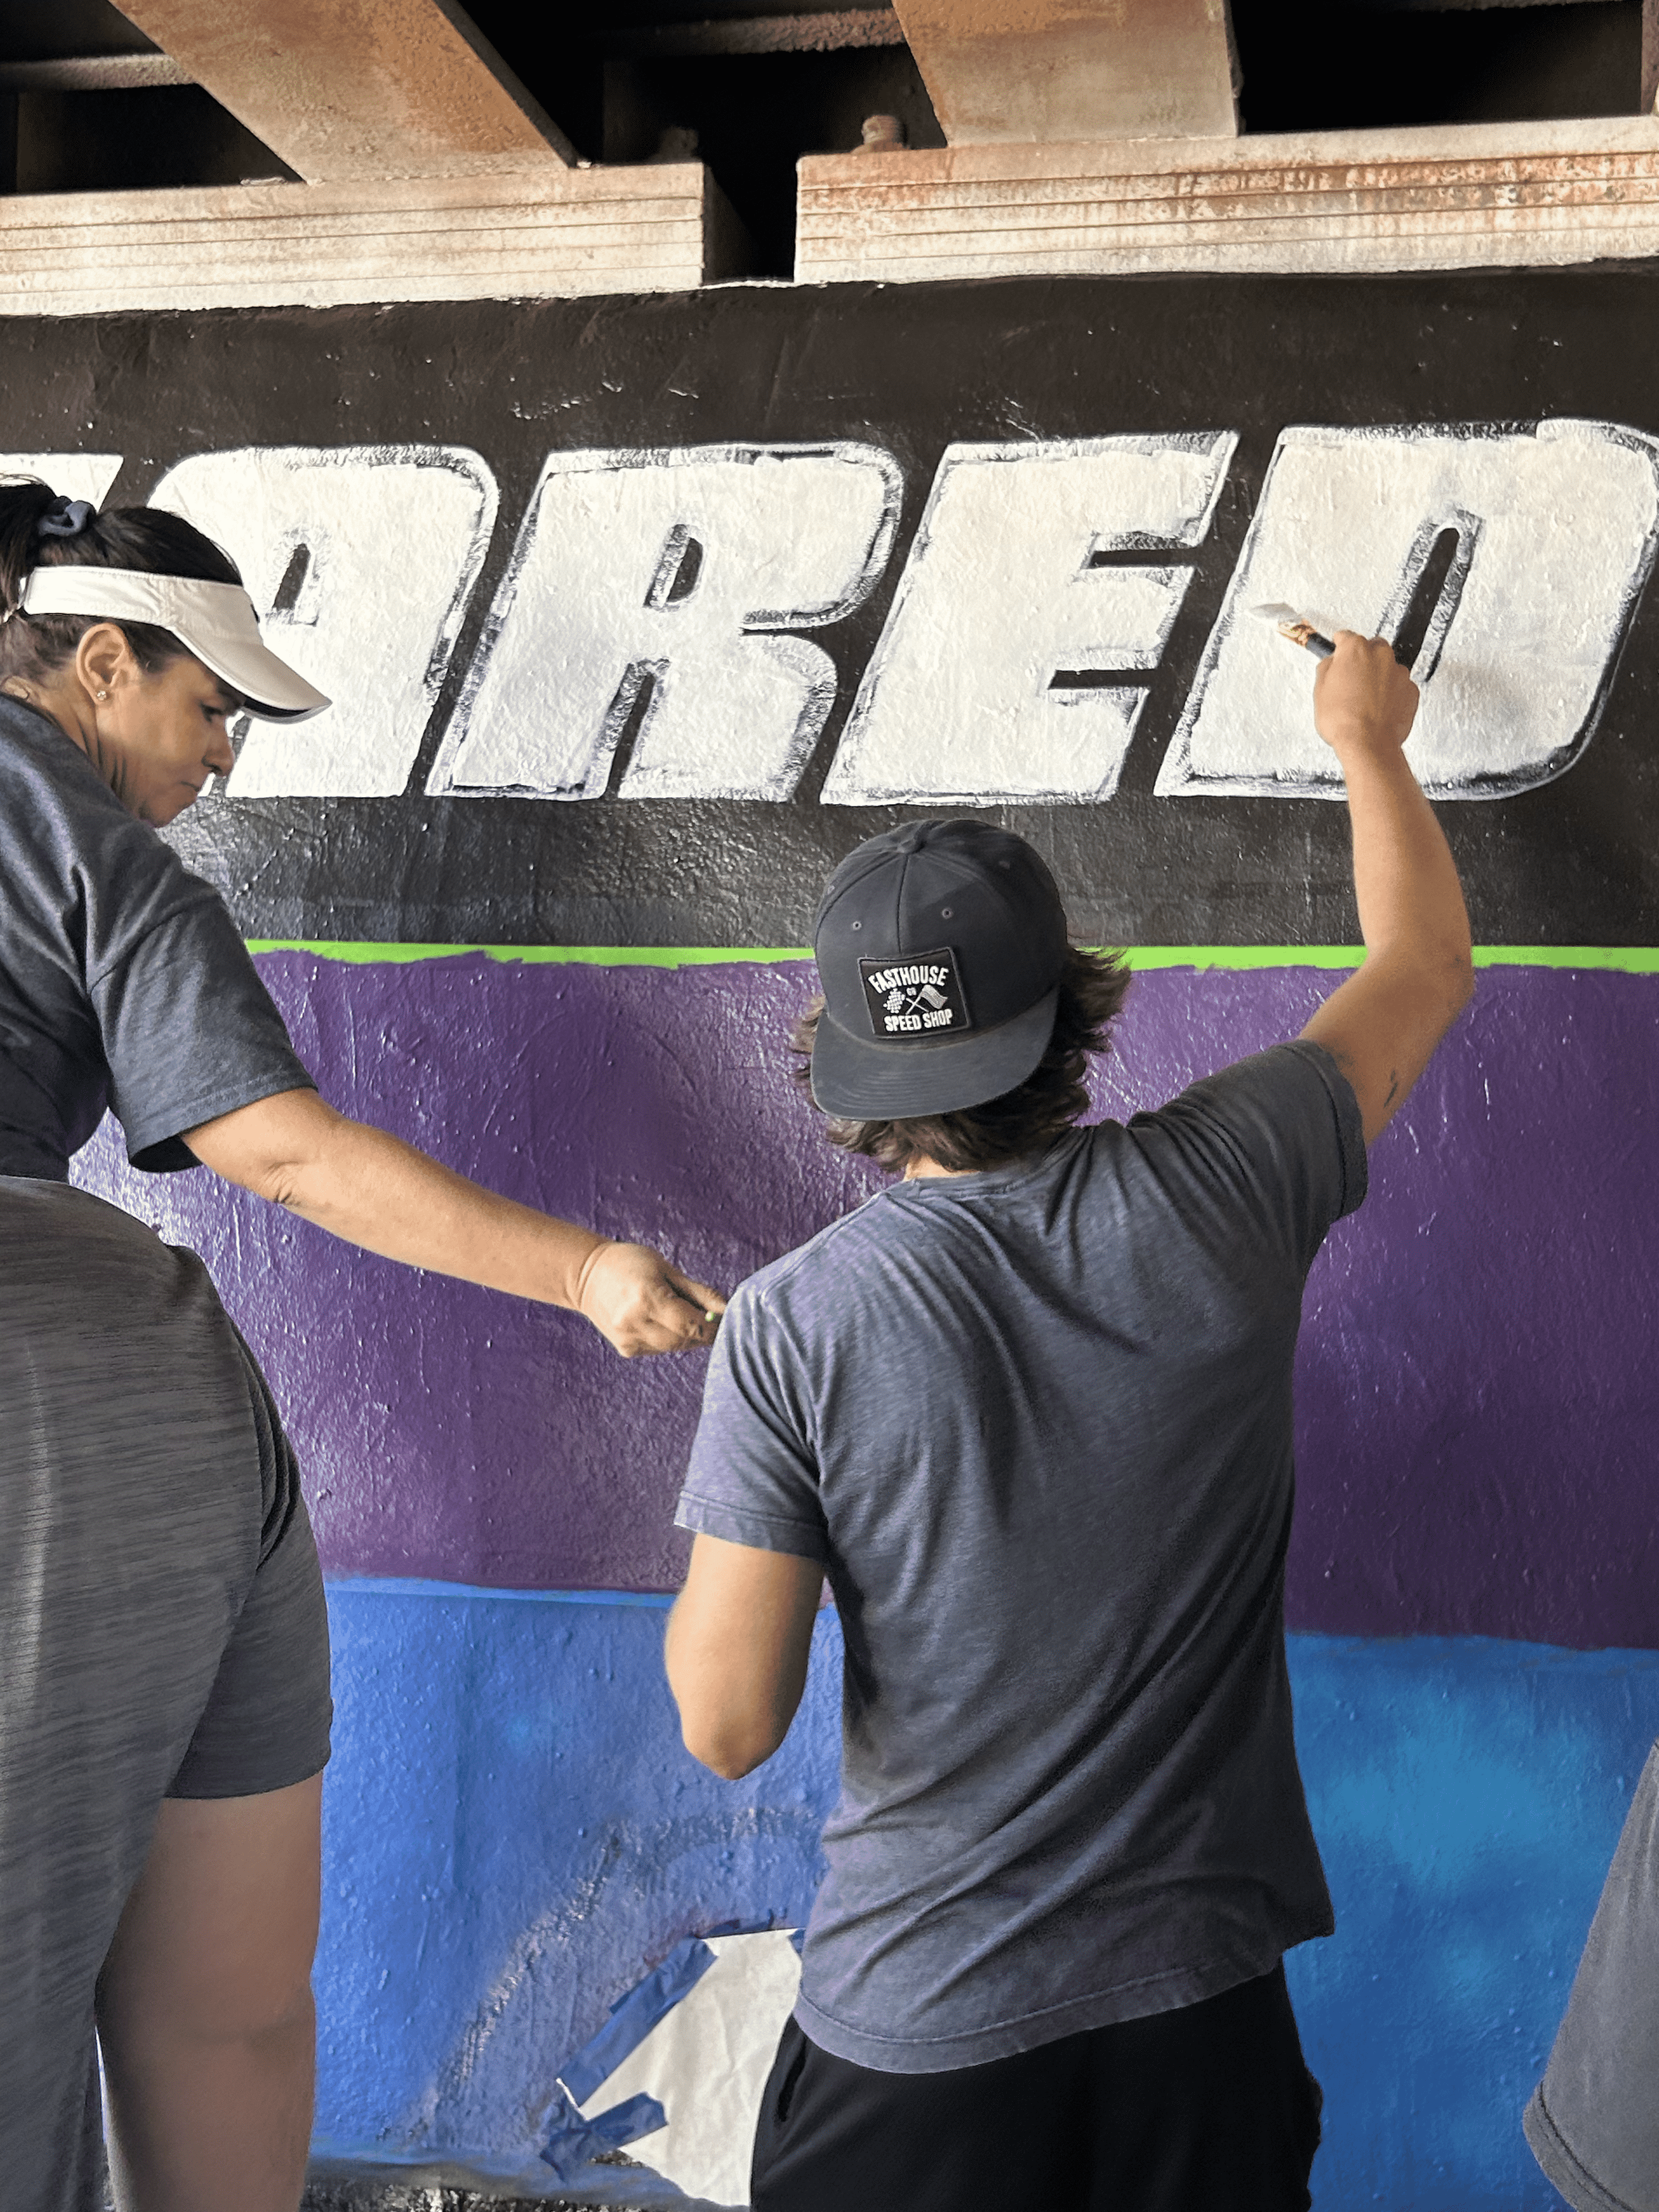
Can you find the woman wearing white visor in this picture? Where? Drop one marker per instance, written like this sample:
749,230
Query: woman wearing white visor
164,1706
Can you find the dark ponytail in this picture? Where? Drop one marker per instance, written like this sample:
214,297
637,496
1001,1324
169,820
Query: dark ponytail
142,537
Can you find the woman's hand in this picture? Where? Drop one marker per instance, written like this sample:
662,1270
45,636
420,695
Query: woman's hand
639,1303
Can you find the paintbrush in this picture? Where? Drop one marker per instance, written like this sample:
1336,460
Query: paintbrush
1299,630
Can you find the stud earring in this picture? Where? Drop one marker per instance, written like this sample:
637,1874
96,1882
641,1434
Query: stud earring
100,695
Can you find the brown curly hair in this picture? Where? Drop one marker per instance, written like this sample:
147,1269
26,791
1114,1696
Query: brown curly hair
1053,1098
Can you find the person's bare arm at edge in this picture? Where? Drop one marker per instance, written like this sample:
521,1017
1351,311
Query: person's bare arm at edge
1382,1025
204,2008
738,1640
373,1189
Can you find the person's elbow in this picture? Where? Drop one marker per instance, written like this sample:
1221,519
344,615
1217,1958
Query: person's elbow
731,1719
729,1742
1459,981
1430,983
736,1651
277,1147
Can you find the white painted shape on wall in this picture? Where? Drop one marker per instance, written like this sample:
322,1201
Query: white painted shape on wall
1567,521
1000,596
373,552
707,2062
77,476
676,568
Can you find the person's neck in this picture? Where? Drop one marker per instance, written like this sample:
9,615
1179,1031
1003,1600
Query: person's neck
919,1164
64,703
60,702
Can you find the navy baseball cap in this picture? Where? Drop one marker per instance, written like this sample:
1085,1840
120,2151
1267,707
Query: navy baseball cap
939,947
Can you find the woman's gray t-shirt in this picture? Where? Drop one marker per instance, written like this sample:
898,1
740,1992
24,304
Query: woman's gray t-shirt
124,981
1036,1424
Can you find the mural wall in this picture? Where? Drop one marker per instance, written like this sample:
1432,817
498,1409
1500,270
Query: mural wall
639,614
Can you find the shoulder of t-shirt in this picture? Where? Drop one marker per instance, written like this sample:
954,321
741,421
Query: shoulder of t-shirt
66,796
60,817
58,782
769,1287
1342,1093
1293,1074
1286,1065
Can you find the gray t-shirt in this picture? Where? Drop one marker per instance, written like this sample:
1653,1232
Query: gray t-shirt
162,1627
124,981
1036,1425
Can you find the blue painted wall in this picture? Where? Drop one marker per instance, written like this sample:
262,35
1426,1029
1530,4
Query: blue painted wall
515,1832
1467,1794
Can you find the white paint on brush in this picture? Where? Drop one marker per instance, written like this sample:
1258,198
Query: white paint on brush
77,476
1557,532
679,568
374,552
1002,596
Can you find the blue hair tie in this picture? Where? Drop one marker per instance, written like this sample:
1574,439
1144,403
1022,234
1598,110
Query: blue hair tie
67,518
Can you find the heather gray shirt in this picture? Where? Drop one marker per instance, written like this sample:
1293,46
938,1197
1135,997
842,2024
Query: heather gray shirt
1036,1424
124,981
162,1631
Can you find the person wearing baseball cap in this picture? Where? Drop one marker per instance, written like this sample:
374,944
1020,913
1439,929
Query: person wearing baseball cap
166,1711
1029,1410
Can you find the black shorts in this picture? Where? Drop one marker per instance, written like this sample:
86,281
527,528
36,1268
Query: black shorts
1210,2108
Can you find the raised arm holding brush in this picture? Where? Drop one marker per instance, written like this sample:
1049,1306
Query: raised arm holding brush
1381,1026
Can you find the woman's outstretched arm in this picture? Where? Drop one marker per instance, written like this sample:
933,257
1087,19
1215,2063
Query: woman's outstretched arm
374,1190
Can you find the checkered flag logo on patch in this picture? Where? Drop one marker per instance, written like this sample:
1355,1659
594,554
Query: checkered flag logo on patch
915,996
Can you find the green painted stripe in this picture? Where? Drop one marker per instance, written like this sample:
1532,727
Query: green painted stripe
590,956
1243,955
1628,959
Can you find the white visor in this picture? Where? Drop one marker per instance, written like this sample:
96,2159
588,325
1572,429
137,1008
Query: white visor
216,622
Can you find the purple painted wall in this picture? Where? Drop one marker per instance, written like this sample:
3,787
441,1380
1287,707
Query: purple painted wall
1478,1409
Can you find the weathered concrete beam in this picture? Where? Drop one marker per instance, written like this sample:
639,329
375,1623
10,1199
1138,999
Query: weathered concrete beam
1051,71
551,233
1444,197
343,89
